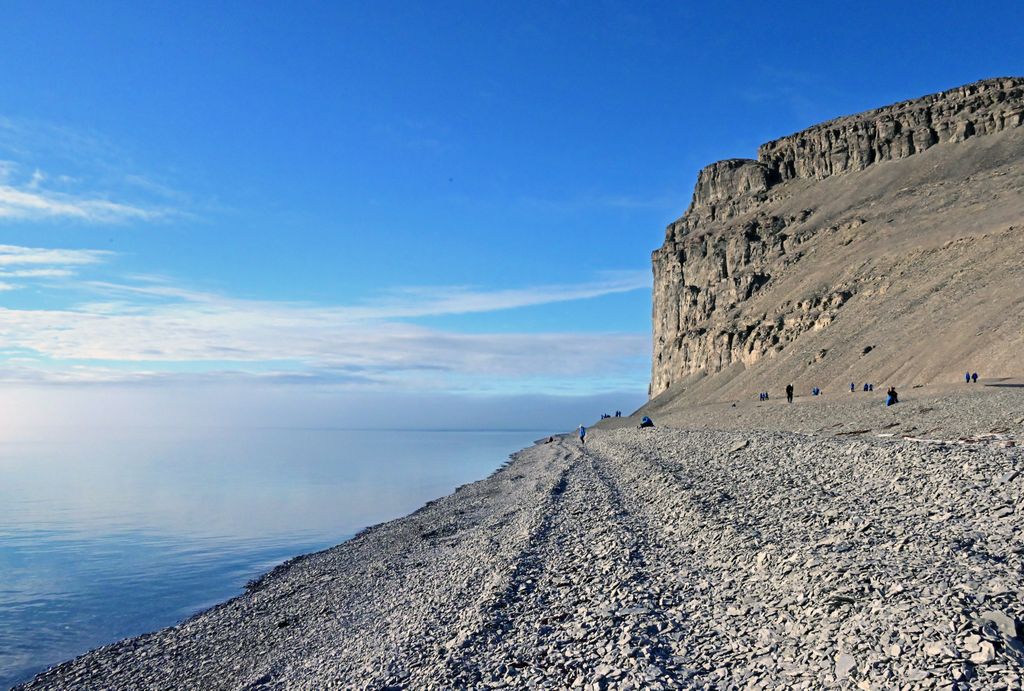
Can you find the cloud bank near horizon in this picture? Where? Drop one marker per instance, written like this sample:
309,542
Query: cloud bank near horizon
148,329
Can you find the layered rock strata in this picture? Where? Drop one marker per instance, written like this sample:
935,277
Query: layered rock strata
751,223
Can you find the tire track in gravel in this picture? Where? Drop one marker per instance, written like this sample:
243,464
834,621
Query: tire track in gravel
567,608
414,661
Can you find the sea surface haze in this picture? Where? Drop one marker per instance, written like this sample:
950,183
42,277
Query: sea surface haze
107,534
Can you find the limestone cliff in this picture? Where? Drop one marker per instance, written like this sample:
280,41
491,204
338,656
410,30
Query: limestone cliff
808,235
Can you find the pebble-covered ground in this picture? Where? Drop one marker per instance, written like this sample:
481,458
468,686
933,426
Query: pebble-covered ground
946,411
651,559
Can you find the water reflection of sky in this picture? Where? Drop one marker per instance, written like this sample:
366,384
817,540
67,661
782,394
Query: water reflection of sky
105,536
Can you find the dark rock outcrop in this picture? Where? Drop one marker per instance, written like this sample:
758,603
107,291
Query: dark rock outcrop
897,131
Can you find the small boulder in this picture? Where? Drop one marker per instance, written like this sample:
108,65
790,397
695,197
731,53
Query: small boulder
1005,623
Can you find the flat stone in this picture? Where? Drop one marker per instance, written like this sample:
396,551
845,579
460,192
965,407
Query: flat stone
986,654
844,664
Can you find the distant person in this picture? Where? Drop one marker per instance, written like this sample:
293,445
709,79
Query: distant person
852,387
967,377
871,387
789,393
866,386
974,378
583,435
891,397
550,439
645,422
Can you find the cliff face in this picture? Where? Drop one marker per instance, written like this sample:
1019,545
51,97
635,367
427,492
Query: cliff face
733,285
897,131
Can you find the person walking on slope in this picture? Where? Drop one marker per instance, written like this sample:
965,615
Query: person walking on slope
583,435
789,393
967,377
974,378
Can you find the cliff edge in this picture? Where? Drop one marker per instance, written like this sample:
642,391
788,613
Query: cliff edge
882,247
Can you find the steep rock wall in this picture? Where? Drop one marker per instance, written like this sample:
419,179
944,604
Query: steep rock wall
857,141
737,236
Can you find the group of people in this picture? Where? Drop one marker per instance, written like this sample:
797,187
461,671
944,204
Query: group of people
582,431
891,397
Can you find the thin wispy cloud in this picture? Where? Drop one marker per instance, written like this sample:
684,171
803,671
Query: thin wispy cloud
32,203
90,182
12,255
21,265
38,273
400,303
433,301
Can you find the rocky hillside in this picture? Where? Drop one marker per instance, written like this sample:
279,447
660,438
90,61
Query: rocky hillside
882,247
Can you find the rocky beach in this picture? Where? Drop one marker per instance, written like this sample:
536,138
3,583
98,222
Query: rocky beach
856,546
302,305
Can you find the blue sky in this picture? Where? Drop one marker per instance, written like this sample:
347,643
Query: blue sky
427,200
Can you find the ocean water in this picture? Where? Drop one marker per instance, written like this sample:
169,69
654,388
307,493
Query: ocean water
106,534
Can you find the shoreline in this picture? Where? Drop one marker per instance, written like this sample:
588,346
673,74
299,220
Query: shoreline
569,553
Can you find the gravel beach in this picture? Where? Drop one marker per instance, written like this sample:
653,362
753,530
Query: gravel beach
803,546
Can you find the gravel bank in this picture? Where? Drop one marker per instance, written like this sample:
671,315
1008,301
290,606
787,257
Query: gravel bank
943,411
655,559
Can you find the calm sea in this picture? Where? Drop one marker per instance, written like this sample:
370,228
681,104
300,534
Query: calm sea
108,535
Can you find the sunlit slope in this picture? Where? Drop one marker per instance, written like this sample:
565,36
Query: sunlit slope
909,271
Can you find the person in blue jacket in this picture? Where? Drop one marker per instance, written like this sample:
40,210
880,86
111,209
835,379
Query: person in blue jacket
583,435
